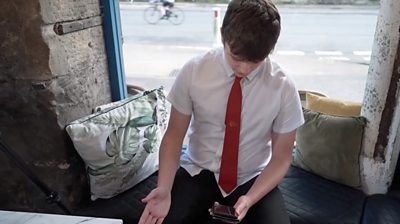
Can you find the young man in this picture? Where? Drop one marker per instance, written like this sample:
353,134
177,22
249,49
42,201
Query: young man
269,113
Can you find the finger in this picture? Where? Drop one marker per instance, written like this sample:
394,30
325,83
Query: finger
153,220
238,209
240,213
210,210
215,204
160,220
144,216
149,219
240,217
148,197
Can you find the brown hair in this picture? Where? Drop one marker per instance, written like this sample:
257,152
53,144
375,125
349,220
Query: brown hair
251,28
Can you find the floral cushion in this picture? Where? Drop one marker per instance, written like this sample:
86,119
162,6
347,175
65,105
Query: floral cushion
120,143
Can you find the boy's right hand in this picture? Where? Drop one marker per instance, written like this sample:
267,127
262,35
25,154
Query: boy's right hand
158,203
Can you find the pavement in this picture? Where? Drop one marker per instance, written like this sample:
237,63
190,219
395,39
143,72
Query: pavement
307,73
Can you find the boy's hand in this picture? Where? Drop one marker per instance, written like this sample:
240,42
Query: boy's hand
158,203
242,206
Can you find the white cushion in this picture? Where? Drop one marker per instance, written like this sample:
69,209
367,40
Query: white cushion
119,144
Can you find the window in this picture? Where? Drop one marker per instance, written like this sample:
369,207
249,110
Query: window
324,48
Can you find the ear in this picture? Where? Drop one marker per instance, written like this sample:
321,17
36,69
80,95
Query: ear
222,38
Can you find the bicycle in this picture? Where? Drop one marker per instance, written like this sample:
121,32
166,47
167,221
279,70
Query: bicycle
153,14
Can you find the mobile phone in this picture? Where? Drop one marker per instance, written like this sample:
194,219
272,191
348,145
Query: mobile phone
224,213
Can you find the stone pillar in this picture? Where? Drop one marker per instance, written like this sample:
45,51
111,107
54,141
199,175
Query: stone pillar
50,75
381,103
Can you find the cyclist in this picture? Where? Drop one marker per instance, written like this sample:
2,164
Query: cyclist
167,5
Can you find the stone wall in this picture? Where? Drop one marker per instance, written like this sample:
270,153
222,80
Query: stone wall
46,81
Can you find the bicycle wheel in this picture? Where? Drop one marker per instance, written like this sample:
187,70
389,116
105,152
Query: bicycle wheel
152,15
177,16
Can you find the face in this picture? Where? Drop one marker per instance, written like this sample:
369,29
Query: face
240,67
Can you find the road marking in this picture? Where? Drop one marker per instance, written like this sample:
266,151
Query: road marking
362,53
194,48
327,55
336,58
337,53
297,53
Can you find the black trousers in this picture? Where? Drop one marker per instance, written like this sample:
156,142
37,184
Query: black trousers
193,196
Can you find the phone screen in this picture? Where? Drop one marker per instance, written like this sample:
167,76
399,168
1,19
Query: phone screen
223,210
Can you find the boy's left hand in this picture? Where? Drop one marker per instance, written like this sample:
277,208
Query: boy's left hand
242,206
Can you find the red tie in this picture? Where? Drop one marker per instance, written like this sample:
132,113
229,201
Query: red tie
229,160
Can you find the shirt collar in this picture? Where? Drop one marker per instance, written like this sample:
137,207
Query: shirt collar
251,76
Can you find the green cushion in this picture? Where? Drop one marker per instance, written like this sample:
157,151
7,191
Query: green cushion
120,143
330,146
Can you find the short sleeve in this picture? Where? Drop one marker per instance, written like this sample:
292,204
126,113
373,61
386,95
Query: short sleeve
179,95
290,115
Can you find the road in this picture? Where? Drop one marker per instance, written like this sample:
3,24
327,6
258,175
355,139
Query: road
322,48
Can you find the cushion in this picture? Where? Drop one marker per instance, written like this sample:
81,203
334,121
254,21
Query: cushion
332,106
119,144
329,146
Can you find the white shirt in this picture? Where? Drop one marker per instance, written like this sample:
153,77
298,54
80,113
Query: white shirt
270,103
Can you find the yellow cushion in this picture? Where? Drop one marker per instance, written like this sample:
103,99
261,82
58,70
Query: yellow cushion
332,106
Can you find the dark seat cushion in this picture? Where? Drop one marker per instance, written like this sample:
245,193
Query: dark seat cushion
382,209
126,206
311,199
